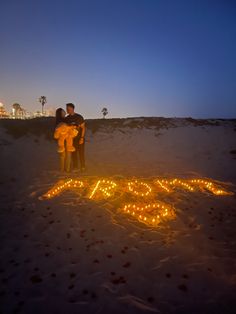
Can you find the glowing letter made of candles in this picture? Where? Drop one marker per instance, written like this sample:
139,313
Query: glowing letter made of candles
103,186
139,188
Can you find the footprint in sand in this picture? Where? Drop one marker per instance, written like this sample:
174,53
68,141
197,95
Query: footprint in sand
36,279
150,299
72,275
183,287
96,261
82,232
118,280
125,248
127,265
93,295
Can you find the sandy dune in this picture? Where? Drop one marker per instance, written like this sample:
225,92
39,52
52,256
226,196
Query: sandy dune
75,254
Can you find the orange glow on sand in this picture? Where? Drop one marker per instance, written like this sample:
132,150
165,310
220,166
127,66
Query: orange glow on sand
191,185
139,188
62,186
140,197
103,186
150,213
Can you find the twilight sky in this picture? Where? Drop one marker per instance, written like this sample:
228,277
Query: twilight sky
137,57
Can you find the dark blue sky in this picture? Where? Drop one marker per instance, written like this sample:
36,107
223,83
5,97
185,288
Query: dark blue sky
139,58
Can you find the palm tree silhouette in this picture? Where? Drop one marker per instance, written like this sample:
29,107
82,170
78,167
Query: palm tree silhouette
43,101
104,112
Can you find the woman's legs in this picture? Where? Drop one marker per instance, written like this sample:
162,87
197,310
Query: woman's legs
69,144
61,144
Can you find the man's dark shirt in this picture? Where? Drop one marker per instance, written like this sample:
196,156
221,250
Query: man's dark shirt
75,119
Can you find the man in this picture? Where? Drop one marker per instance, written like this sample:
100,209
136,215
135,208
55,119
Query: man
76,119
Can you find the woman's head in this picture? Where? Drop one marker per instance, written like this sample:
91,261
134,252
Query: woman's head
60,115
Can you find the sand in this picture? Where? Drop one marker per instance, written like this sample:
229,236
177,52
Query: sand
73,254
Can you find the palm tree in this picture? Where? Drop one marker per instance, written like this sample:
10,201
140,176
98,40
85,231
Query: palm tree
104,112
43,101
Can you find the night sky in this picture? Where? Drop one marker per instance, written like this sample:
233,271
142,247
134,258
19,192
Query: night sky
139,58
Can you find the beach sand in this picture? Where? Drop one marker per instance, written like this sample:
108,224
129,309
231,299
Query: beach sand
75,254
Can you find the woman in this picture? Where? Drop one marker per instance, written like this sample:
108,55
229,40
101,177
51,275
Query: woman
64,134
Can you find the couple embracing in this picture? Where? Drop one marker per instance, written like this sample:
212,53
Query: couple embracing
70,132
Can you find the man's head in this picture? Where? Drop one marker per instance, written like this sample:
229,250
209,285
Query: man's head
70,108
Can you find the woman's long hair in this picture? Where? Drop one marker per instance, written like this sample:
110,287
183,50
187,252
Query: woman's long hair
59,117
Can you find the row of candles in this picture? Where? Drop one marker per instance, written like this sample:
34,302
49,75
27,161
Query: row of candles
151,213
